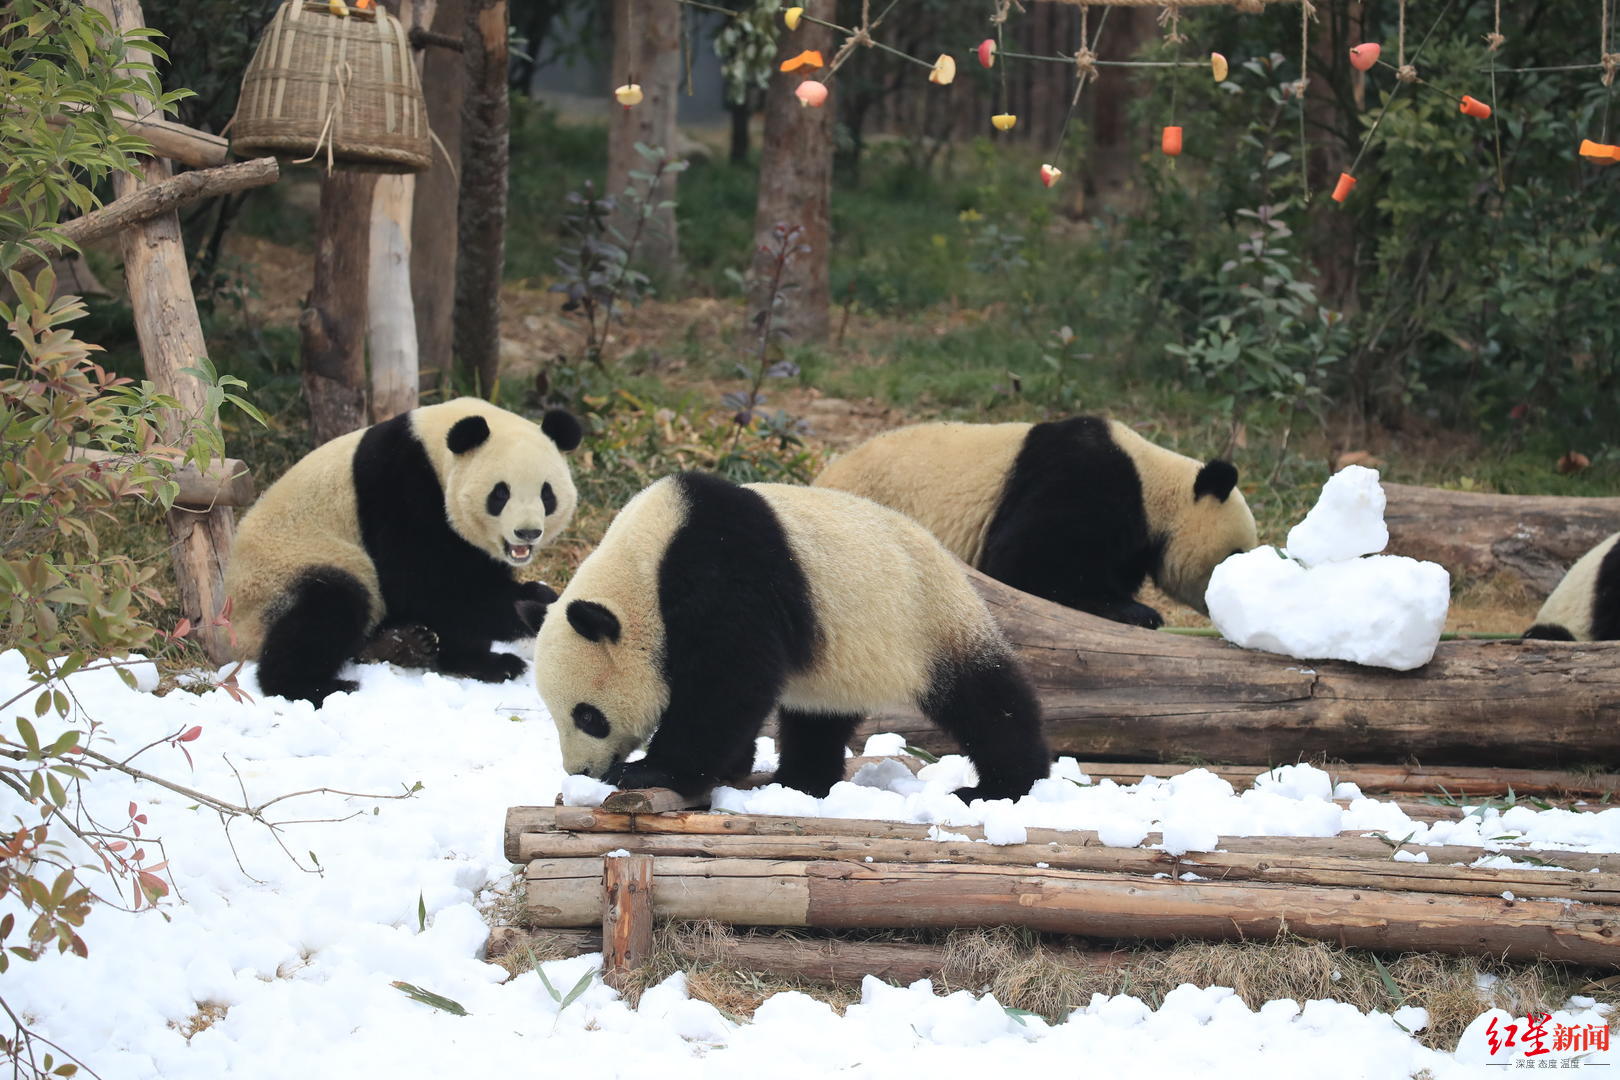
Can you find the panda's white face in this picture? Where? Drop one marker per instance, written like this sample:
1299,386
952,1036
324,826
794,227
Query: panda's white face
508,491
1211,531
600,683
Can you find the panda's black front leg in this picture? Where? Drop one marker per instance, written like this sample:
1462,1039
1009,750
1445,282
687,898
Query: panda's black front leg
704,739
475,660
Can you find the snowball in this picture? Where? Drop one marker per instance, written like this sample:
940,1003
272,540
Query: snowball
1385,611
583,791
1296,782
1408,856
1001,824
1185,835
1347,520
886,744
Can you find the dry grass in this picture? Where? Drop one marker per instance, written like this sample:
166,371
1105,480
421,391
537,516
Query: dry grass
207,1015
1030,971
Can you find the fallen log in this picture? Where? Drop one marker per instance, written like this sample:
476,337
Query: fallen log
226,482
752,892
1390,779
1361,873
527,828
818,959
627,916
1108,690
162,197
1534,538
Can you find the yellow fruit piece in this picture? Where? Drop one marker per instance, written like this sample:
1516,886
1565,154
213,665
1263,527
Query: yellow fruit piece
629,94
1217,66
791,17
944,70
338,8
1003,121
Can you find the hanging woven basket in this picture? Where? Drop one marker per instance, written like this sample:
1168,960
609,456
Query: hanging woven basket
336,89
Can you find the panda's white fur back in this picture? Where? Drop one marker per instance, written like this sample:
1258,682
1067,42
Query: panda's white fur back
306,517
1570,604
948,476
889,603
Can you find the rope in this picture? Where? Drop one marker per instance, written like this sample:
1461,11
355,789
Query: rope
1248,7
1406,73
1306,10
1080,81
1171,15
1609,60
1495,40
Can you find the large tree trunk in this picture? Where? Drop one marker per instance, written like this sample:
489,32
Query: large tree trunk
1534,538
332,327
433,218
481,261
646,50
1110,691
795,186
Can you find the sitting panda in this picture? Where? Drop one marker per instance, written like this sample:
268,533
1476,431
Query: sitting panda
1077,511
708,604
1586,604
399,541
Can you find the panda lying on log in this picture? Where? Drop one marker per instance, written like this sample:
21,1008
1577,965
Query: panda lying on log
1077,511
399,542
708,604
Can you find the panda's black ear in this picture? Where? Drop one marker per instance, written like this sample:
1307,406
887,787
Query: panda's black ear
561,428
1218,478
467,433
593,621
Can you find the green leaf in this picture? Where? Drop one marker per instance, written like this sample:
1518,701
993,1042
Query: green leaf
428,997
421,913
921,754
1390,988
579,988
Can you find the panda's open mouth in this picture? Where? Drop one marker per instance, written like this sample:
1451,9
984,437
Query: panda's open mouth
518,554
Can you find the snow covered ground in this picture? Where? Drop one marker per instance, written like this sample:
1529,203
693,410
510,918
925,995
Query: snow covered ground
301,963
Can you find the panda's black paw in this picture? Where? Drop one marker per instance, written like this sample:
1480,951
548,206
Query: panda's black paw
487,667
632,775
319,694
411,645
980,791
1134,614
533,599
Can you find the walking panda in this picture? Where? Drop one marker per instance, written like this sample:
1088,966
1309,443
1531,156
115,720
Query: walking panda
708,604
1078,511
404,536
1586,604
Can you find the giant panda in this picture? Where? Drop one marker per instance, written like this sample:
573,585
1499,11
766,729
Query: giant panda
708,604
405,533
1078,511
1586,604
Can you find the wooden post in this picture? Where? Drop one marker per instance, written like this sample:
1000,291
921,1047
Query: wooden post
646,50
390,315
433,222
795,185
481,208
627,916
332,327
171,340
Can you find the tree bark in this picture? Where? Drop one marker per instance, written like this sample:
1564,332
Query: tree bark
434,221
332,327
761,892
162,197
1533,538
171,140
391,319
227,481
1113,691
646,50
627,916
795,186
171,339
481,208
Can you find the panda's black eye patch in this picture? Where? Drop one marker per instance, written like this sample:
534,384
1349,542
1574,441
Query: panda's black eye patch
589,719
548,499
498,496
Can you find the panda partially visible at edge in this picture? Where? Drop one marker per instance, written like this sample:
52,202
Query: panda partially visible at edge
1078,511
400,541
708,604
1586,604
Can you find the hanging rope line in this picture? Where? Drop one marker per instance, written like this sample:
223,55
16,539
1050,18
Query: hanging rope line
1384,109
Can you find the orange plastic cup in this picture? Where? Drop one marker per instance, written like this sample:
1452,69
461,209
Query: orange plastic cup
1341,190
1474,107
1170,141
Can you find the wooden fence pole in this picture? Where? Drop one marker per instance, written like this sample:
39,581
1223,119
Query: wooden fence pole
627,916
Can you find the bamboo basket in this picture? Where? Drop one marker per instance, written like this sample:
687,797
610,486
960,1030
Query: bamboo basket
338,88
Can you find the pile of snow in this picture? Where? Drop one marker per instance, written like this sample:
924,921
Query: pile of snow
264,968
1329,597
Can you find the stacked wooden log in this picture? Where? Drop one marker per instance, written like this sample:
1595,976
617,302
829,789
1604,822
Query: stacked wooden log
753,870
